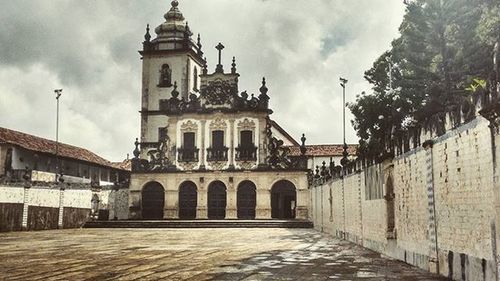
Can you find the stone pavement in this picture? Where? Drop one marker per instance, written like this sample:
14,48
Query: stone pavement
192,254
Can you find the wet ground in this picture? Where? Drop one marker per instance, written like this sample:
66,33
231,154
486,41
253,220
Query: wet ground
192,254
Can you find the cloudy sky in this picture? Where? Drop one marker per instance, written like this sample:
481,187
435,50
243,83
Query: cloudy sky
89,49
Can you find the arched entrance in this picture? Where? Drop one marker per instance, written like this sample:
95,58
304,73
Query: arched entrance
153,201
246,198
217,201
389,200
188,200
283,200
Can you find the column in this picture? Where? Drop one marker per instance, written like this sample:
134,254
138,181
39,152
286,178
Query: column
171,204
26,200
61,207
263,206
231,144
202,146
433,256
262,142
303,193
201,206
134,204
231,209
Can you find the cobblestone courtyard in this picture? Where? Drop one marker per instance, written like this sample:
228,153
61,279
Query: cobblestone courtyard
192,254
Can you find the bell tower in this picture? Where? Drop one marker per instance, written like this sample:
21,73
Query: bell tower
171,63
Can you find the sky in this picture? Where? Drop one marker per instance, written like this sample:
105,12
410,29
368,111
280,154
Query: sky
90,50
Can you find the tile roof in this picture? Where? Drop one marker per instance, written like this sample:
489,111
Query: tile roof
124,165
324,150
42,145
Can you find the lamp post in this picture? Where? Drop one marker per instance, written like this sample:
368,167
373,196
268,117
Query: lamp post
343,82
58,95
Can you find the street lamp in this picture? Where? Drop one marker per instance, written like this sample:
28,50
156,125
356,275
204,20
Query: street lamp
343,82
58,95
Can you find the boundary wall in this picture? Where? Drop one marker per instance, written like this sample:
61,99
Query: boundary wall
50,206
432,207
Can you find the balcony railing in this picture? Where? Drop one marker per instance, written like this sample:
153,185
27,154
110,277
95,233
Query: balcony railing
217,153
188,154
246,153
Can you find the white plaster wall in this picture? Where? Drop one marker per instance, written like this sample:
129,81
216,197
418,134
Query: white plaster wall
154,122
44,197
280,136
177,63
462,170
11,194
77,198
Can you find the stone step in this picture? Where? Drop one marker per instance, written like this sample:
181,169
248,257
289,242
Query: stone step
200,224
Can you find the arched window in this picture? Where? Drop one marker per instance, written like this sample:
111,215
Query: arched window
195,79
165,76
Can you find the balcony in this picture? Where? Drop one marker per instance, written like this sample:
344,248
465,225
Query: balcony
188,154
246,153
217,153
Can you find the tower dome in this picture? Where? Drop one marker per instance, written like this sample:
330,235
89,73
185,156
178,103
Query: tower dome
174,28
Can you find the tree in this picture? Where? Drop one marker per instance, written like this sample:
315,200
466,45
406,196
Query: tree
445,47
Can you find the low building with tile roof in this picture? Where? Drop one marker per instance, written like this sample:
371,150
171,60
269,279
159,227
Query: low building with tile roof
20,152
319,153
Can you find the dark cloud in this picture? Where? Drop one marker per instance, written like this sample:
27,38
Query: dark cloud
89,48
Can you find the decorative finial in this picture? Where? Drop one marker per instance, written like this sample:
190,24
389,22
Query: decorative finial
233,68
263,89
198,43
147,36
219,68
175,93
175,3
205,66
303,148
137,152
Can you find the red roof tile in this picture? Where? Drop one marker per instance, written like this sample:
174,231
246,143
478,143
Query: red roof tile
324,150
42,145
125,165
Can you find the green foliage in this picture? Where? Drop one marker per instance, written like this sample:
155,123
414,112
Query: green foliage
444,55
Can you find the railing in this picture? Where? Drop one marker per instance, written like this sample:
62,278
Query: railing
188,154
217,153
246,153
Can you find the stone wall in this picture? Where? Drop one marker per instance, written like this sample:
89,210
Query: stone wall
47,206
443,205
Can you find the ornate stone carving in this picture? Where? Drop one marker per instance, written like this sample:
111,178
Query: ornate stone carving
218,92
246,124
277,157
246,165
218,124
189,126
161,158
188,166
217,165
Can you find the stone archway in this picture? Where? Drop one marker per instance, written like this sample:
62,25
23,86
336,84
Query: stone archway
217,200
283,200
188,200
389,200
153,201
246,200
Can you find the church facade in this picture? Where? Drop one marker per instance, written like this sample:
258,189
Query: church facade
207,150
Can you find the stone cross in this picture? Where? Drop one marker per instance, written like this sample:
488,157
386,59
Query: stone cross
219,68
